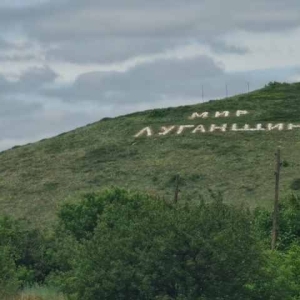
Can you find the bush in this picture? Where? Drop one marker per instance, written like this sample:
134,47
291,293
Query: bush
123,245
282,269
80,218
143,248
289,223
28,250
8,274
296,185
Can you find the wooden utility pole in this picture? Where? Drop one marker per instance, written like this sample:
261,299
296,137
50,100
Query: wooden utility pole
202,93
226,86
276,200
248,84
176,188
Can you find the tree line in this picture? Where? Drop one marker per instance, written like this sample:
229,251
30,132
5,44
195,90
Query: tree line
118,244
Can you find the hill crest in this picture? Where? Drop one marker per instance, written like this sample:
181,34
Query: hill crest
236,159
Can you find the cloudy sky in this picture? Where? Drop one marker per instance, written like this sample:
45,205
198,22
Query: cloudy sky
66,63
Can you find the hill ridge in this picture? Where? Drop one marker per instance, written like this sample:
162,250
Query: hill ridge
36,177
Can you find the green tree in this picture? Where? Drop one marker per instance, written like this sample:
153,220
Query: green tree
28,249
144,248
289,223
80,218
8,273
282,275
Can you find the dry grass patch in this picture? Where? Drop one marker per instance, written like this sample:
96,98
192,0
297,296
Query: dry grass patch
39,293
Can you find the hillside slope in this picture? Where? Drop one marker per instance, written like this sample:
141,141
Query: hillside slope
36,177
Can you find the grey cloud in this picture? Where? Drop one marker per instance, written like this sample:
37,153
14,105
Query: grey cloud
37,123
120,30
114,49
164,79
107,49
37,77
9,45
134,22
177,19
147,81
42,122
17,57
13,51
12,108
219,46
30,81
16,115
4,45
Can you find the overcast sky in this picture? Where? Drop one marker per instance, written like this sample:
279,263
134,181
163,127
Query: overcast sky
66,63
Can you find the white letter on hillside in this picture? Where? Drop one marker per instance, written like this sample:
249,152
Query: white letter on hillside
275,126
214,127
182,127
257,128
195,115
292,126
222,114
235,128
241,113
166,130
146,130
199,128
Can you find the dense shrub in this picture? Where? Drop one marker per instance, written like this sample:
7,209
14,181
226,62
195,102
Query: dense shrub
122,245
289,223
143,248
28,250
80,218
8,273
295,185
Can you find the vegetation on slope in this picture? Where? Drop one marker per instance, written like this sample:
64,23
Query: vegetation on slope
136,246
35,178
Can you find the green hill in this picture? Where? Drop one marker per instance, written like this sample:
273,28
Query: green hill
36,177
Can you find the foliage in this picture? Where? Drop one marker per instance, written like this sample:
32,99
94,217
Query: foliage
118,244
295,185
289,222
283,270
28,250
8,273
144,248
80,218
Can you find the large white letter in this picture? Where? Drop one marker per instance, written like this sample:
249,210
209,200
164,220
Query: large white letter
235,128
279,126
199,128
146,130
222,114
241,113
292,126
257,128
214,127
166,130
182,127
195,115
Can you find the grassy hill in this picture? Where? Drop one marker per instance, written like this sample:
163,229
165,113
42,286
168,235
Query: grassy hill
35,178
